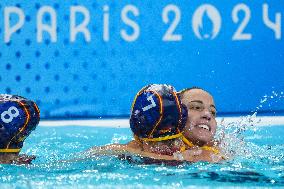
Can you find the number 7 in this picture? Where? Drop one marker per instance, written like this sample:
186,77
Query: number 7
152,105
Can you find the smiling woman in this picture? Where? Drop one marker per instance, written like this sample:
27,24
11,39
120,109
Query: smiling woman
201,126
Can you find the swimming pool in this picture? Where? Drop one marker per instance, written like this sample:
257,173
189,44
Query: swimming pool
260,162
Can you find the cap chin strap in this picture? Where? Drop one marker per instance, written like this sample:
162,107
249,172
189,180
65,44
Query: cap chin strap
10,150
137,139
162,138
209,148
179,135
185,140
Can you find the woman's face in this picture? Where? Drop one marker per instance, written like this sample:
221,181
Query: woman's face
201,123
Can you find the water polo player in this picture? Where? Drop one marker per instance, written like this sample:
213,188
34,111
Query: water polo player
159,116
201,123
157,120
18,118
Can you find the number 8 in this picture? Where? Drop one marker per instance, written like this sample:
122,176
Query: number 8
10,114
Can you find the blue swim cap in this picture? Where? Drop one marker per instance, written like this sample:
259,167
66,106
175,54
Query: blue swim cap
157,113
18,118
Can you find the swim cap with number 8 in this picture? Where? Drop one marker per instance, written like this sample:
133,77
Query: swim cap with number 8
157,113
18,118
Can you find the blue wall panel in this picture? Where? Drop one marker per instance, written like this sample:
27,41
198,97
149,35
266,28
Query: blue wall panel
99,76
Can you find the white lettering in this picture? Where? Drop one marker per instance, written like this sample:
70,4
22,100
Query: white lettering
169,35
276,27
128,21
239,35
81,28
106,23
7,27
51,29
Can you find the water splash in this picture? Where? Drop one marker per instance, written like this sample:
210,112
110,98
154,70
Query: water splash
234,135
120,138
274,97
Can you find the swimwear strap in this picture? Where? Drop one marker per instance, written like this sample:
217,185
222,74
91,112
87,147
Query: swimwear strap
9,150
162,138
182,149
209,148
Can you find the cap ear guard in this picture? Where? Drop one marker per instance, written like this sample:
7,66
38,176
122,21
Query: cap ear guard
157,113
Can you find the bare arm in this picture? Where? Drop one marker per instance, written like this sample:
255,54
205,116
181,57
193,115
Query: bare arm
133,148
117,149
113,149
11,158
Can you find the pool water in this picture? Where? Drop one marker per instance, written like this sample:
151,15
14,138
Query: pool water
259,162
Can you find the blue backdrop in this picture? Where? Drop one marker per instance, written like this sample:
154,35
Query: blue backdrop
89,58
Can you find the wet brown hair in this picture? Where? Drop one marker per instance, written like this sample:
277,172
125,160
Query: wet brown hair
181,92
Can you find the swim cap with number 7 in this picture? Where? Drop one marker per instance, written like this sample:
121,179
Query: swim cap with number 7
157,113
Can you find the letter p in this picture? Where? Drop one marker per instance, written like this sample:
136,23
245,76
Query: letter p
9,30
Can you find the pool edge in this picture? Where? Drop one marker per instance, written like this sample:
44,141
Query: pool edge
124,123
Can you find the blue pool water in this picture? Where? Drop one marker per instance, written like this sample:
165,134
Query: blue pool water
259,163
